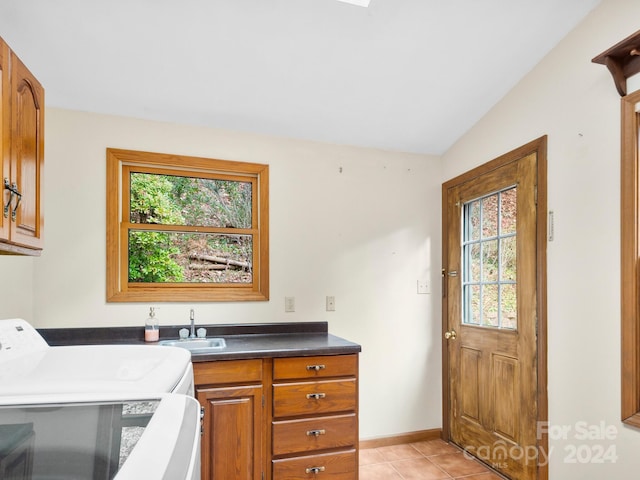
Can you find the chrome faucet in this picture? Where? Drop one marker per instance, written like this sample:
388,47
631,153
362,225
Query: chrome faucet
192,318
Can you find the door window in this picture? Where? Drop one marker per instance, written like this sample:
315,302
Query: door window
489,282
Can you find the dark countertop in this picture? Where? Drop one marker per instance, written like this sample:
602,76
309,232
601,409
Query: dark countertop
243,340
279,345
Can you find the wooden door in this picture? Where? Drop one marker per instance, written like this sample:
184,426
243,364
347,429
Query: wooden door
27,154
232,441
490,309
5,131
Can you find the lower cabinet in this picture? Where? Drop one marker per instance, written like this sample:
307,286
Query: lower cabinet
231,394
279,419
315,418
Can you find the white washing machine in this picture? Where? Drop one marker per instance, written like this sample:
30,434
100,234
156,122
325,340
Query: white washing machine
29,366
67,410
100,437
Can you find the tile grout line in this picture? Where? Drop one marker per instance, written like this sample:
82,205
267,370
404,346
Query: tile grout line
427,457
419,454
449,476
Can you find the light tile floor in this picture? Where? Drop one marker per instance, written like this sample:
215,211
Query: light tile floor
427,460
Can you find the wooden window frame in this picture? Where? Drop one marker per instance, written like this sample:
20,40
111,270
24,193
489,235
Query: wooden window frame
119,289
630,264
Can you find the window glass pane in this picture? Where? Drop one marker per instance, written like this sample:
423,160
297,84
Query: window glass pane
490,216
490,261
473,223
473,305
194,201
490,305
474,262
508,306
508,259
508,211
170,257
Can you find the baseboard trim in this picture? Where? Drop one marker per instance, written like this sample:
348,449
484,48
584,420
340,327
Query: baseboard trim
409,437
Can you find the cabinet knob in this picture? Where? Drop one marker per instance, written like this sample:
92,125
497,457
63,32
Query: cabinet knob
316,433
316,367
315,396
315,470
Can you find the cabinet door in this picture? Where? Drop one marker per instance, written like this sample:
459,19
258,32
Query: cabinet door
27,153
5,131
232,440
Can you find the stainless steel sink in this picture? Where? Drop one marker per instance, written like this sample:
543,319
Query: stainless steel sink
197,345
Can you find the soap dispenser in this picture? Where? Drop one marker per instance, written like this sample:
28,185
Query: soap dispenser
151,327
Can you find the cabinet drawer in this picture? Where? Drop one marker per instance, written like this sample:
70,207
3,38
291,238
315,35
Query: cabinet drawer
315,367
333,466
304,398
227,371
299,436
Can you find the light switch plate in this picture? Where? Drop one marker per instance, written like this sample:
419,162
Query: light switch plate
331,304
289,304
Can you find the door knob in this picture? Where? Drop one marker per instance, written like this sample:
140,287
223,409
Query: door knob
450,335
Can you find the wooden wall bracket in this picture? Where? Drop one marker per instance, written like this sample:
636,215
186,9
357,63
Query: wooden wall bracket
622,60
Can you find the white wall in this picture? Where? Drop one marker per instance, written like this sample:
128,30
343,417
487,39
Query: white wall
16,287
575,103
364,235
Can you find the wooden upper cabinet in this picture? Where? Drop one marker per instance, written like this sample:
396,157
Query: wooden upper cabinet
23,158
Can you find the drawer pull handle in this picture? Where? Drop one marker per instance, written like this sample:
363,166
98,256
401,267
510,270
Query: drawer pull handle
316,433
316,367
316,396
315,470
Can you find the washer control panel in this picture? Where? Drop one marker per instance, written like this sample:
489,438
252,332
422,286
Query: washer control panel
18,337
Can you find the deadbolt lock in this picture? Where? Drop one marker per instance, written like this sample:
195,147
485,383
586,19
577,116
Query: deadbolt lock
450,335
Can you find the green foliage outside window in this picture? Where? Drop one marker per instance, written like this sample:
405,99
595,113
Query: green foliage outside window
150,258
150,254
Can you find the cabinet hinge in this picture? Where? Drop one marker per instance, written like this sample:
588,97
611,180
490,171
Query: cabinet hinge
263,407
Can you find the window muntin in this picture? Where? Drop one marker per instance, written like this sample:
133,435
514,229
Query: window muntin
185,228
489,284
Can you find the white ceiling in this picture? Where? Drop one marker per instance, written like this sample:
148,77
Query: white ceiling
407,75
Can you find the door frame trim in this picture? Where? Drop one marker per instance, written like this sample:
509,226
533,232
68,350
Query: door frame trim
629,248
538,146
